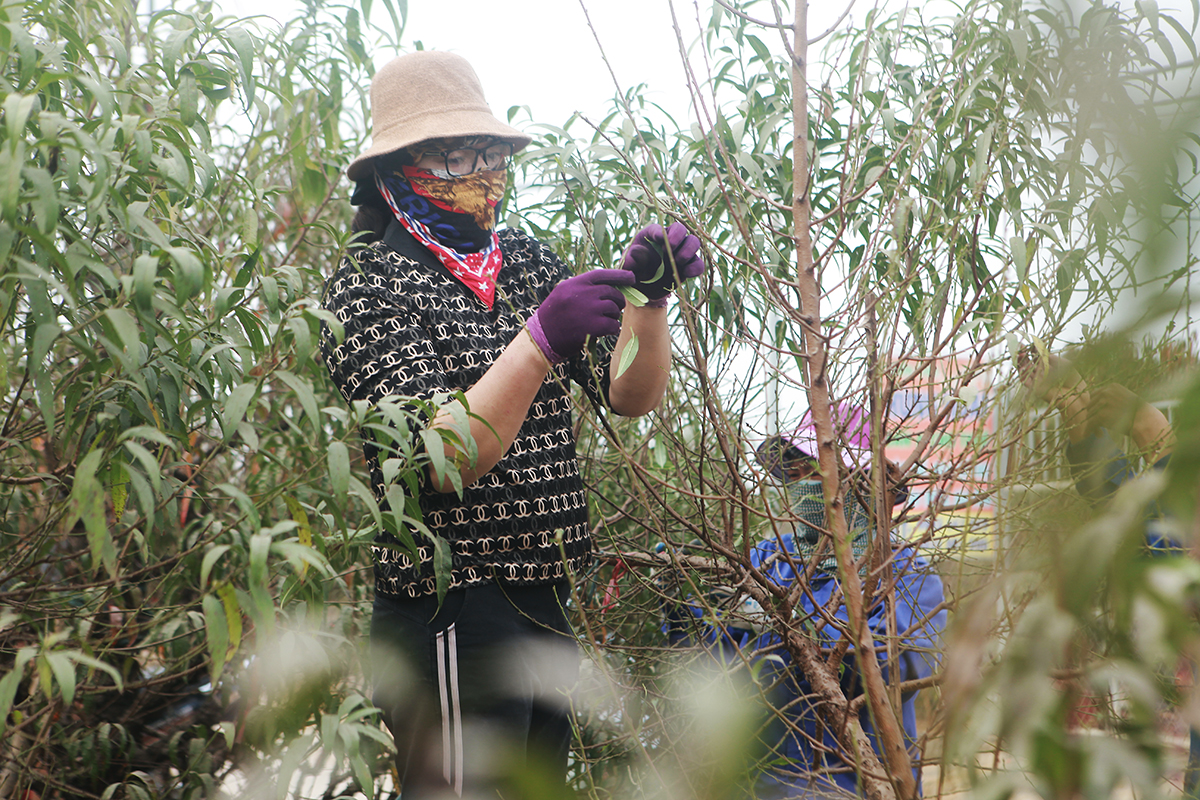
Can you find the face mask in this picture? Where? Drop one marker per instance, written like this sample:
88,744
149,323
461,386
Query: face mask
475,195
807,505
470,252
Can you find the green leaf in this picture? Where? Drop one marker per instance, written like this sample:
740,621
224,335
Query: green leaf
216,629
1020,258
665,258
10,180
137,215
363,774
119,52
44,203
435,448
43,338
11,682
189,97
148,462
314,185
979,164
302,336
64,674
146,432
300,517
398,11
304,394
248,220
301,557
397,501
209,561
189,274
243,46
173,52
17,108
94,663
145,274
633,296
126,329
338,457
627,356
262,606
233,614
87,503
443,562
364,494
235,408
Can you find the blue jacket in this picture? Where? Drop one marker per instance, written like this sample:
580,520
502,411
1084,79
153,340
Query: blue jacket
793,768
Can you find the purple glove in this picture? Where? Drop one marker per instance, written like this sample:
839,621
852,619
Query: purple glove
585,305
647,252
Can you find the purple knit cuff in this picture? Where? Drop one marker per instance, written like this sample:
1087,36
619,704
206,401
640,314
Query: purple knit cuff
659,303
534,326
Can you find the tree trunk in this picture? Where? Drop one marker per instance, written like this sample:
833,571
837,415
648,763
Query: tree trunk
888,730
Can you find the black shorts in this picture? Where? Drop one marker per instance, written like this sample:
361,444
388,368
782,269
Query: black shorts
478,689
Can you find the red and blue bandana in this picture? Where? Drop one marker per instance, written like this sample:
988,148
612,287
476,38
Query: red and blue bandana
455,218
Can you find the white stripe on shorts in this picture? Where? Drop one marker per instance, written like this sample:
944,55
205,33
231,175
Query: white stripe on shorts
446,644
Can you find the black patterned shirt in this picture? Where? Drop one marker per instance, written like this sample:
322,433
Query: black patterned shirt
413,330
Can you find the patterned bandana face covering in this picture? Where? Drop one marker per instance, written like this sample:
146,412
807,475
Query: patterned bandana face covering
475,195
455,217
808,505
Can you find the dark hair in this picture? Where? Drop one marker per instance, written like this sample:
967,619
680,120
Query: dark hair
370,221
373,215
777,454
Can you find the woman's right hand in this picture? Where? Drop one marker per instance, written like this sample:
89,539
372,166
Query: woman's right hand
585,305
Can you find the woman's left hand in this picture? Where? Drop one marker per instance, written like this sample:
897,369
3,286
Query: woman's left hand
649,257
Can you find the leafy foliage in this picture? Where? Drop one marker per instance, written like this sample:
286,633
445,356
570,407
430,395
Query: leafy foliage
184,510
178,498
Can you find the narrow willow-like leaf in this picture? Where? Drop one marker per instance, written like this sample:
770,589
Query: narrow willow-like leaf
216,628
303,528
627,356
338,459
633,296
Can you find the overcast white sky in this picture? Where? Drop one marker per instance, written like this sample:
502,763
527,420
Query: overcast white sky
543,54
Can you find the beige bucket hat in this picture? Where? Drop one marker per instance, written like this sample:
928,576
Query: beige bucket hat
429,94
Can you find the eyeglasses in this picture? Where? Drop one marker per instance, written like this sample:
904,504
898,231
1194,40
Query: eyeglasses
465,160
